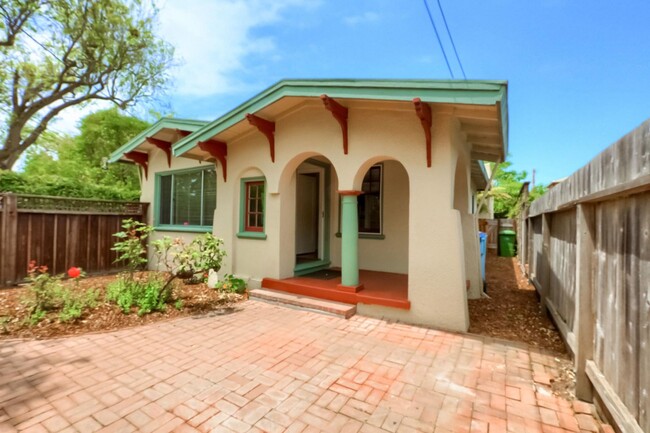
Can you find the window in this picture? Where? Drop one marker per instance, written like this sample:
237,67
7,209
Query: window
254,220
251,222
187,198
370,201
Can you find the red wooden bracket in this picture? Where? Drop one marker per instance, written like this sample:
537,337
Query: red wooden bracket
163,145
340,113
423,111
183,133
267,128
140,158
219,150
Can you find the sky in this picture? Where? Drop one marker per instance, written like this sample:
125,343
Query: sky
578,71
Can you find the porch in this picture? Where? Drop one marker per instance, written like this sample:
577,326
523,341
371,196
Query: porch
378,288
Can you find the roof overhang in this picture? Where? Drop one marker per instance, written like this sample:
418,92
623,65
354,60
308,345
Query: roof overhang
167,129
480,107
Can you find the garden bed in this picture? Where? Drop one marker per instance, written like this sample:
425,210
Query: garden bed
196,299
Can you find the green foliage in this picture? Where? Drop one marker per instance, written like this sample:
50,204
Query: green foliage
46,293
130,246
147,295
186,260
505,191
232,284
56,54
72,167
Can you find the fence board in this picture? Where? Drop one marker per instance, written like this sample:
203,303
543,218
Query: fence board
562,277
59,233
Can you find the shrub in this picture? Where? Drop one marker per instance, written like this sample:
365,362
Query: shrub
147,295
232,284
130,246
47,293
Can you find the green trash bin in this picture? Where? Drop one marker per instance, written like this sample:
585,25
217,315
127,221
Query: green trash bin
507,240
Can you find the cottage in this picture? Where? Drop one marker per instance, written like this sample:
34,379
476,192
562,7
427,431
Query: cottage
376,178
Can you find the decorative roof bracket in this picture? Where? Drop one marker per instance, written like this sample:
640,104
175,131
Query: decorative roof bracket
423,111
183,133
340,113
163,145
267,128
140,158
219,150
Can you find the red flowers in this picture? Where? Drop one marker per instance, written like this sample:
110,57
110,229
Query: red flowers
74,272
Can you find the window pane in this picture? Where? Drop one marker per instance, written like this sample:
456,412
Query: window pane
209,196
369,203
165,205
187,198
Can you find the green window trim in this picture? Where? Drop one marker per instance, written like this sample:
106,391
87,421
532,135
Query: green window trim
158,201
243,202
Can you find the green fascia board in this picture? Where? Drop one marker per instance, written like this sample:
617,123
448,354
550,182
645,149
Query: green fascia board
165,122
472,92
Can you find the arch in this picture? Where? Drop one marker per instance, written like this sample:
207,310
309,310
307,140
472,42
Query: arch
279,184
365,166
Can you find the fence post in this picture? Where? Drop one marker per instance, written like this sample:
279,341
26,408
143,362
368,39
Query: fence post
584,317
546,257
9,235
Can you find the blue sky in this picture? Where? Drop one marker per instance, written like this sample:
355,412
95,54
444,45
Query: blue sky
578,71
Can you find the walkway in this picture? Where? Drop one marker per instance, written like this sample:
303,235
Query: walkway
270,369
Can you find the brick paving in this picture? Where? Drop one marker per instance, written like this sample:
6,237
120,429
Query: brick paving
268,368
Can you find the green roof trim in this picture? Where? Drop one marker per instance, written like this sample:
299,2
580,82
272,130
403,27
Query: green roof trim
473,92
165,122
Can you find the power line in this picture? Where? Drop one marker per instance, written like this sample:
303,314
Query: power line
451,39
442,48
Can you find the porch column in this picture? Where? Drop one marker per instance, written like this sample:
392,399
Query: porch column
349,241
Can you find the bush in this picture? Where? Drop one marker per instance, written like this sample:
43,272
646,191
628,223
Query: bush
46,293
147,295
232,284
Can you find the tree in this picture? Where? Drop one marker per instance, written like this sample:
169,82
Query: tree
505,190
56,54
71,166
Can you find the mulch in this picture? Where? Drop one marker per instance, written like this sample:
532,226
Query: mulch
196,298
512,310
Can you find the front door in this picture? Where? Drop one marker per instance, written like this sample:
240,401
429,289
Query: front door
308,212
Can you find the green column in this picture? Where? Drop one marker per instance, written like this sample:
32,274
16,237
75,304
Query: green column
349,241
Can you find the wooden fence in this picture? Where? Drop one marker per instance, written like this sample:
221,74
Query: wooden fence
59,233
492,227
586,244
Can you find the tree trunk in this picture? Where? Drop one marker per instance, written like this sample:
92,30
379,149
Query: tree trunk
8,158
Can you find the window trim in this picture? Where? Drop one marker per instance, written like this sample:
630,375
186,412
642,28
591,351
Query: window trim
243,206
158,201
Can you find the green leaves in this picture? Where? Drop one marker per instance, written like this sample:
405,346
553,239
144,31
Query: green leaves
71,52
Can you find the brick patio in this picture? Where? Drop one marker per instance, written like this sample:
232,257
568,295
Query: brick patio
270,369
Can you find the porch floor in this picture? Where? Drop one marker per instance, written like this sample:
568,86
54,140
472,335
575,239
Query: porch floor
379,288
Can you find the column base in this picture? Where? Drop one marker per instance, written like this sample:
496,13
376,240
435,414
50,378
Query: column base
350,289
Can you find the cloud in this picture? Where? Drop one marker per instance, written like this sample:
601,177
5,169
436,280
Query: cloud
366,17
214,39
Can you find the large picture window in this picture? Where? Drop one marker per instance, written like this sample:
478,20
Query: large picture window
187,198
370,201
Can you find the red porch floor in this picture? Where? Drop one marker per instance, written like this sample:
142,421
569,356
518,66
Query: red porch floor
379,288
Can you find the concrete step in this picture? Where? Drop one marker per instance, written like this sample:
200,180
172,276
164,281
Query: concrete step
331,307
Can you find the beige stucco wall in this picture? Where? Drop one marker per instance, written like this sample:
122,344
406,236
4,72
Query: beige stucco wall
425,234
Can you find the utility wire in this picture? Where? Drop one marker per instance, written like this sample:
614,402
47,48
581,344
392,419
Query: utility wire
451,39
433,24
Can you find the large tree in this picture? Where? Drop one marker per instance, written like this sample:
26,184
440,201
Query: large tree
56,54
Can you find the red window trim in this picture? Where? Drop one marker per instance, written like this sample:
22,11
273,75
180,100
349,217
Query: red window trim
247,213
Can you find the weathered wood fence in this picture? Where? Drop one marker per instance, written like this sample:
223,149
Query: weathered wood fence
587,247
59,233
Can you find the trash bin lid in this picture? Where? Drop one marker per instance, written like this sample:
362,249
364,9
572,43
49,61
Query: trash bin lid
482,235
508,232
